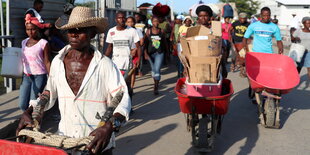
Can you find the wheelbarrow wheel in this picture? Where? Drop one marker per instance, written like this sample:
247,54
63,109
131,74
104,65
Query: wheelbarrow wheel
204,134
194,128
270,112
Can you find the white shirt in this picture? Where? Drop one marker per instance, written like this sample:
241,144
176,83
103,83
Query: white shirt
140,34
101,82
122,44
295,23
304,38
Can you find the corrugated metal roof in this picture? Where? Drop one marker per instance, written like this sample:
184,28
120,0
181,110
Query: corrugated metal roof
294,2
51,11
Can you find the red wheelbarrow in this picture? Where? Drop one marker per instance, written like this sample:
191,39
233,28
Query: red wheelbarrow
204,115
270,76
12,148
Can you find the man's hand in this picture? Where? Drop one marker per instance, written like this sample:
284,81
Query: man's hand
137,63
102,137
25,120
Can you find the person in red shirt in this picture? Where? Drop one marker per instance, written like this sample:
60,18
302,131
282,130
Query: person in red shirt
32,15
226,37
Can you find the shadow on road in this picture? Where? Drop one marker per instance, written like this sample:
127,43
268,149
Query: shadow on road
240,125
297,99
132,144
8,101
305,79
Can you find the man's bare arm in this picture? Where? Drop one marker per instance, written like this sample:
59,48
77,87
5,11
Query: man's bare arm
245,44
280,46
108,51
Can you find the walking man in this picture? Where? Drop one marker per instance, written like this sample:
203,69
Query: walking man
121,39
238,29
263,32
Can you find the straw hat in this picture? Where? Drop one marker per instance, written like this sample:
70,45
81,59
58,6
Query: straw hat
85,17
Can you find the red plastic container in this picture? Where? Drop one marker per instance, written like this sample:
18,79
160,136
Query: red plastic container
203,105
274,73
14,148
204,89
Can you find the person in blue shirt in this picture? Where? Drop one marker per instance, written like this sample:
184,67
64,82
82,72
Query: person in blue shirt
263,32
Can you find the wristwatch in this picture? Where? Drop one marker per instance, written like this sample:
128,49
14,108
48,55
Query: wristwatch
116,123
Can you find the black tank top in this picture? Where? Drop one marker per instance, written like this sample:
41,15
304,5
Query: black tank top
155,42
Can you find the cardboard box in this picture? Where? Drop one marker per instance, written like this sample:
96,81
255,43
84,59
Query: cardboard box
203,69
202,41
201,53
204,89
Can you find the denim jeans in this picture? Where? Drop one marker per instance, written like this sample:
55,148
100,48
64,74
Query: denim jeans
156,61
180,67
30,88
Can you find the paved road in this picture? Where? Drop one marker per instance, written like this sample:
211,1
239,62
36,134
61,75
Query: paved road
158,127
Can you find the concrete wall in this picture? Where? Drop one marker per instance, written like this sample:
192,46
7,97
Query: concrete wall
286,13
51,11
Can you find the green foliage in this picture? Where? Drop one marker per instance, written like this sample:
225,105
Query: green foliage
90,4
248,6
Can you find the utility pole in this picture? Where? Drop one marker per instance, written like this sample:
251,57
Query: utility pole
9,83
2,24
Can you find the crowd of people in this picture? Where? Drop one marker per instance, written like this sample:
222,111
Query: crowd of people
80,76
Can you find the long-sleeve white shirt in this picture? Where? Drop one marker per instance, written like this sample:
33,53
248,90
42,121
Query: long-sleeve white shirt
101,82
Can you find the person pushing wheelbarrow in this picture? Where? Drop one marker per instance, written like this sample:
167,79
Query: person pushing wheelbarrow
84,81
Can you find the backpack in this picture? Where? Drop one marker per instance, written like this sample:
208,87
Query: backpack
228,11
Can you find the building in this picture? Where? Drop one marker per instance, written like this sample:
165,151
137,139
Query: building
112,6
146,8
51,11
284,9
287,7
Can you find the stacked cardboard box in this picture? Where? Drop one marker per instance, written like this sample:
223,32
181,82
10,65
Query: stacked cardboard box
201,53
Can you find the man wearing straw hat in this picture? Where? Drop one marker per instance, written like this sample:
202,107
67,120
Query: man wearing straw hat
84,81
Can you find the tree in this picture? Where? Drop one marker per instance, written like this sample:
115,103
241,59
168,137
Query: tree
90,4
248,6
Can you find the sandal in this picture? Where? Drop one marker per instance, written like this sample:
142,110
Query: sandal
232,68
242,73
238,67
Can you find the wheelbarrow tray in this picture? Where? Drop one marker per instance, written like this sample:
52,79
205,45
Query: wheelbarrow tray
204,105
9,147
274,73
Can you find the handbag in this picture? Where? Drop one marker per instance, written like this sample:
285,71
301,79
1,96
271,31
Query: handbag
296,51
12,65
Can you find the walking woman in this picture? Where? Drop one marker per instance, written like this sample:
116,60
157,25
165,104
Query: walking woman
130,21
303,36
36,63
156,43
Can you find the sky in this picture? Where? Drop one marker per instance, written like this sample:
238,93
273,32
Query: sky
179,6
